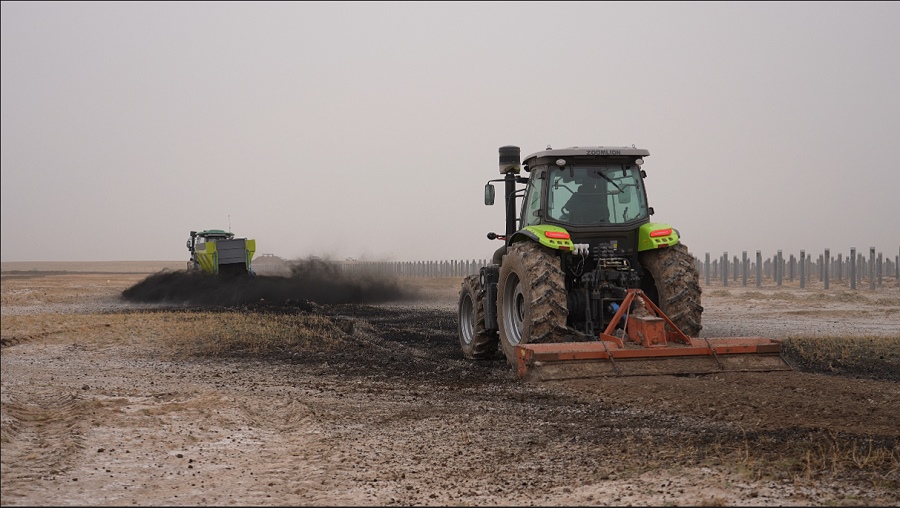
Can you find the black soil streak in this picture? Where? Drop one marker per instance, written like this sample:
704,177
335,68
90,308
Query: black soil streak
415,344
313,280
406,342
401,343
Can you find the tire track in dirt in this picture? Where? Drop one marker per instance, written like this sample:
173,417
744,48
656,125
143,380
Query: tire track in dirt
42,436
295,446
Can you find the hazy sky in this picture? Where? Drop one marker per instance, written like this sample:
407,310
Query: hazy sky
369,129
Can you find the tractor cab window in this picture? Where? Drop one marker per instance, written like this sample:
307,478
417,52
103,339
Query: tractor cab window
532,204
587,195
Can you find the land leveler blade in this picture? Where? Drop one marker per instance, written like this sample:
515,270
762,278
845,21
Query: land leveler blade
648,348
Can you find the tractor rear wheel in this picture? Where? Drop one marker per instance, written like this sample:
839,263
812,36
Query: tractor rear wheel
476,342
674,286
531,298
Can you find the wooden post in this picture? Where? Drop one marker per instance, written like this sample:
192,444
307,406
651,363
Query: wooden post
779,269
706,268
725,269
758,269
826,266
802,269
852,267
744,268
879,266
871,267
840,267
809,266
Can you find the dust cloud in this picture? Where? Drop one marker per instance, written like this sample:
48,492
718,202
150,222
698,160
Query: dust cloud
315,280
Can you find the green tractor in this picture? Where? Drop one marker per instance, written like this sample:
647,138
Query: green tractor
582,239
218,252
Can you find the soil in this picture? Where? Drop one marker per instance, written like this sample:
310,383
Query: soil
104,403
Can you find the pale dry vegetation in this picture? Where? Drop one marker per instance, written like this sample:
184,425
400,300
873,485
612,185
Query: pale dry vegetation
231,333
877,357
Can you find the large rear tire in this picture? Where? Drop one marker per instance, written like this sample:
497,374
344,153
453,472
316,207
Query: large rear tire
531,298
477,343
674,286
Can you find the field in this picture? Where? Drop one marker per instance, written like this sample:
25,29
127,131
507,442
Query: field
112,401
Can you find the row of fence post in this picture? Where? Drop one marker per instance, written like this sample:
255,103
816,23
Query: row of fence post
452,268
856,267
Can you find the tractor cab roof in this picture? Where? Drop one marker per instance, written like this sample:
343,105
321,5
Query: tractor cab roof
215,233
611,153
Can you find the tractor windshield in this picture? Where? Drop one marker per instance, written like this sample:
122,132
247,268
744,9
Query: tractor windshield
585,195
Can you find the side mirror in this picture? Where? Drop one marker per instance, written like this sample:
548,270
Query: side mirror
489,194
189,245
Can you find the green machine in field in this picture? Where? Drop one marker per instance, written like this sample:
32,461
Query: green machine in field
585,283
217,251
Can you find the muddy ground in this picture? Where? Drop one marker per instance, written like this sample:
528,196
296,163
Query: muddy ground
288,401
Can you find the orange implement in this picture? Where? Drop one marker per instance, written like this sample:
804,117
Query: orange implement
644,346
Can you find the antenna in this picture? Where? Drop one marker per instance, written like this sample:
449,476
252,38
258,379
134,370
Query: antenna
229,222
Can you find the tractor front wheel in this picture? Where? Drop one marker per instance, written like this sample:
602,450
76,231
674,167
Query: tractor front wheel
476,342
531,298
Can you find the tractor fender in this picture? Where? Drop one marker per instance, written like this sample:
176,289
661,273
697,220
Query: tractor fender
552,237
656,235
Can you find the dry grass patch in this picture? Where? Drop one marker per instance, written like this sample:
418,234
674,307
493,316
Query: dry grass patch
178,334
98,329
875,357
798,455
835,455
804,456
234,333
43,289
839,296
828,313
775,295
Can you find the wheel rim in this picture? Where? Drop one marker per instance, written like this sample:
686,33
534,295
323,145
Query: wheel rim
467,320
514,309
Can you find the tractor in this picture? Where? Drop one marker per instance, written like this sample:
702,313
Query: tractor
215,251
585,283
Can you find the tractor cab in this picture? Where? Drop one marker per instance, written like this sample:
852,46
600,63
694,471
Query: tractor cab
208,235
586,188
594,197
585,196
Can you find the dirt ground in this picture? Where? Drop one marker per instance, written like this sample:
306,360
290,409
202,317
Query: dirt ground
111,402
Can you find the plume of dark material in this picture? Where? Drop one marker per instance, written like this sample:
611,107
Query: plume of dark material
313,279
